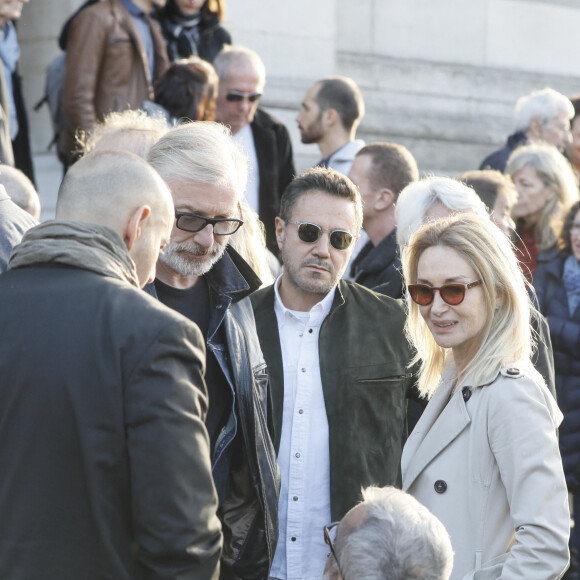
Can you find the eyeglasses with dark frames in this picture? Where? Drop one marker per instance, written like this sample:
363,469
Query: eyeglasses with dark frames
330,531
311,233
452,294
239,96
190,222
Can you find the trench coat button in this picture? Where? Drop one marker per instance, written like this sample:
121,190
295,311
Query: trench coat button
466,392
513,371
440,486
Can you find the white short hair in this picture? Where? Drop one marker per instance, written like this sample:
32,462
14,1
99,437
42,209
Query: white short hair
418,197
239,55
201,152
543,105
398,539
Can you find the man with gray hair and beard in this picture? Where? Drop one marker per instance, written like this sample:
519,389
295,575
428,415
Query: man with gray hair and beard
203,278
388,536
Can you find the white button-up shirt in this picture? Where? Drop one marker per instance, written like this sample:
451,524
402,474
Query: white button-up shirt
304,506
245,139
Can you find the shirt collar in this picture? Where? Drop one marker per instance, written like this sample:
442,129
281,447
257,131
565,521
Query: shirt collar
133,9
321,308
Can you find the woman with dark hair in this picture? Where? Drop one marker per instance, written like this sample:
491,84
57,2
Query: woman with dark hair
193,28
557,285
188,90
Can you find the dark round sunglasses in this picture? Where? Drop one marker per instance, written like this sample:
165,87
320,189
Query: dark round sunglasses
452,294
189,222
238,96
311,233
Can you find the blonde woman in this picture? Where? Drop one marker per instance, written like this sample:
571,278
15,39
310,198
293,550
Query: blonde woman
547,188
484,455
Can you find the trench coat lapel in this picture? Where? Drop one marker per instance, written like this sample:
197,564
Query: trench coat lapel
439,425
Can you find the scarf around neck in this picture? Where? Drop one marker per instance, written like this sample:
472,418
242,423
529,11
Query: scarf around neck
81,245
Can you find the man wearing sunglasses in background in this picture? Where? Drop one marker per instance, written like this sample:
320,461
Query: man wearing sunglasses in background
266,141
337,361
203,278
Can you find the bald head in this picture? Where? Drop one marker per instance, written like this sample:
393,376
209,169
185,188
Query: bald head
120,190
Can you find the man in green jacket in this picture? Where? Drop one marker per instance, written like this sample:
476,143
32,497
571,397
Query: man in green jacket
337,360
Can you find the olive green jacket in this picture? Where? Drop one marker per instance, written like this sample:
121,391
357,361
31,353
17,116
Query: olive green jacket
363,366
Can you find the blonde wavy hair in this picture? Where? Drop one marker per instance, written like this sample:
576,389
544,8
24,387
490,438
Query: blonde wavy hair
507,335
555,171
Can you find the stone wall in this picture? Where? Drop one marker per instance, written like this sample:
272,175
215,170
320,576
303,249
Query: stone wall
439,76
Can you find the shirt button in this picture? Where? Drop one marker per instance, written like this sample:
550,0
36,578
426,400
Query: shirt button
440,486
293,538
295,498
300,411
466,392
303,370
300,335
297,455
310,330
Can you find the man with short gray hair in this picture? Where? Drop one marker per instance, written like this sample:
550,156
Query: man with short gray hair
388,536
265,140
543,115
206,280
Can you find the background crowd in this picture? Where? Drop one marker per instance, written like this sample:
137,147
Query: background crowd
296,421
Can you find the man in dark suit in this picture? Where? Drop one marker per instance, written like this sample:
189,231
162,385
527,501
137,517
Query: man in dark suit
264,138
104,454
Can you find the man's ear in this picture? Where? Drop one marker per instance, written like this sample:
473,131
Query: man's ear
385,198
331,117
280,227
136,220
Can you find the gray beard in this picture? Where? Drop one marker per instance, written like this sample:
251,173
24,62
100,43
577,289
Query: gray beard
177,255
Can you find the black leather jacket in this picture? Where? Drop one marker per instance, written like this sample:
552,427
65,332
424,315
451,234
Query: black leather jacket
249,512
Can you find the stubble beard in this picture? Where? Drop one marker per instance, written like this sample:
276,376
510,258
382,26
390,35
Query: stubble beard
315,283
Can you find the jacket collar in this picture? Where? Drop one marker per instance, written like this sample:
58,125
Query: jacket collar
516,139
377,258
232,276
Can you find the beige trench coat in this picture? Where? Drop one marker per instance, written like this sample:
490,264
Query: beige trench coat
487,465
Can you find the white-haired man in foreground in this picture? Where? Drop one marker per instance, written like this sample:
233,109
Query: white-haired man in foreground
388,536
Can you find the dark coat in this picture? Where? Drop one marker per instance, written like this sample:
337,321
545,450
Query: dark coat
275,167
21,143
380,266
363,367
250,510
565,333
103,452
498,159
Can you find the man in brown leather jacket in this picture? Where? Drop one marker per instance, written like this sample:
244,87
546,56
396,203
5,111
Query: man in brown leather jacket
115,53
